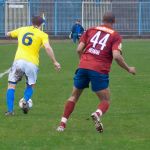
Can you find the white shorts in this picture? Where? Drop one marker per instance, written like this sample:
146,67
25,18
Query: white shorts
21,68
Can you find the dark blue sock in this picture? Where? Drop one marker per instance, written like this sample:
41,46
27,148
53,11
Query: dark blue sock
10,99
28,92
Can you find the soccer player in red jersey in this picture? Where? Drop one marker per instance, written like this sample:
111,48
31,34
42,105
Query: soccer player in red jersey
97,48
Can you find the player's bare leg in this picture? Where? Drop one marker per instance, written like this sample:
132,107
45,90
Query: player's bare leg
69,107
104,96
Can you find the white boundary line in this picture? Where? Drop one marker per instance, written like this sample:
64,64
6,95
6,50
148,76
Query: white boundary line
8,70
4,73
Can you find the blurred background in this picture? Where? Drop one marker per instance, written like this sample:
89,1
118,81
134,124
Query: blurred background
132,16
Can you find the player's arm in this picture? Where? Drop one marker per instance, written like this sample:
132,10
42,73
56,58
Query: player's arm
50,53
80,48
117,51
121,62
13,34
8,34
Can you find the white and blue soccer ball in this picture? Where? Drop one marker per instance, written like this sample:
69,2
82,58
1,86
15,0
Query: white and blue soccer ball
30,103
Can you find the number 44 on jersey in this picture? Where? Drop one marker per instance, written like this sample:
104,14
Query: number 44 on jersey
100,41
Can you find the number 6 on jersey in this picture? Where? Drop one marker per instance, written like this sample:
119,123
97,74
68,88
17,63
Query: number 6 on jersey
27,37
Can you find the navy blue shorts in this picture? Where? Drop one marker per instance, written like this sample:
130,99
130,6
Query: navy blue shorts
98,81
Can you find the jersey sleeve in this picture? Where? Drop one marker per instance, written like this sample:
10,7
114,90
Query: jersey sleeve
117,42
15,33
45,39
83,37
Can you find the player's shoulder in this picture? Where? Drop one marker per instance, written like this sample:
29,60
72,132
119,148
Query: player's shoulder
117,34
20,28
38,32
90,29
42,33
25,27
106,29
101,28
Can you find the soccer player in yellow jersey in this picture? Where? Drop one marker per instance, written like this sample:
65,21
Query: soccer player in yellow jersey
30,40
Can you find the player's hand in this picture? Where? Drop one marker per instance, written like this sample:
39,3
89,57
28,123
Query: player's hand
132,70
57,66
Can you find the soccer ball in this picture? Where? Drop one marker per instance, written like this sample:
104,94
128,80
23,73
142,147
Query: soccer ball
30,103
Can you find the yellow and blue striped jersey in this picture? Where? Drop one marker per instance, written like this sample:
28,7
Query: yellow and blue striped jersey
30,40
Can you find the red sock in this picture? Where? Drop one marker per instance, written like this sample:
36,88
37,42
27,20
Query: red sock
103,106
63,124
69,107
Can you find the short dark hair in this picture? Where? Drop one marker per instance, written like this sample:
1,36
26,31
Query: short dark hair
109,17
37,20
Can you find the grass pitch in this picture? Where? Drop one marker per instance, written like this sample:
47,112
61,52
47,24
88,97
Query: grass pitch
126,125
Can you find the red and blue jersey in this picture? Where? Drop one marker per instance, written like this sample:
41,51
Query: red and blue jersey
99,43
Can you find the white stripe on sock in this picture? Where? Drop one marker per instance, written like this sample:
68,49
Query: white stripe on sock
63,119
99,111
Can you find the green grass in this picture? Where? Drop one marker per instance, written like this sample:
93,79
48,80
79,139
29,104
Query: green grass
127,123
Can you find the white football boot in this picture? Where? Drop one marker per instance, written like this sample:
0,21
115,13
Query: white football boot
97,122
60,129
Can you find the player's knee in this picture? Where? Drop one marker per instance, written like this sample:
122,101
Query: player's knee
105,98
30,85
11,86
73,99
